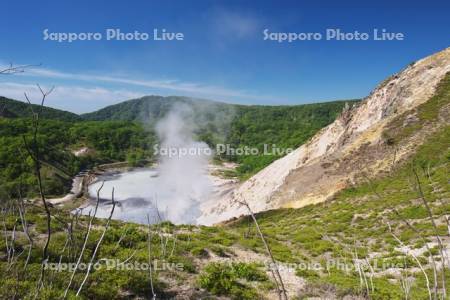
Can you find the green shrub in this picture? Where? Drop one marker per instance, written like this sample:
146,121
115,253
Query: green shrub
199,251
249,272
308,274
230,280
414,212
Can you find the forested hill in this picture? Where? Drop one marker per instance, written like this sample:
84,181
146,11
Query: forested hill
12,108
152,108
237,125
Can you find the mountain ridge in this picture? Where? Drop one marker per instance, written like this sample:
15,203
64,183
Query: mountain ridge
213,122
11,108
165,102
107,113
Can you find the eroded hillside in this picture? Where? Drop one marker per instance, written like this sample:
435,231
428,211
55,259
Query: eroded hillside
358,141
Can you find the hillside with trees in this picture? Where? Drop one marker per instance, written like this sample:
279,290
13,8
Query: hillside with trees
121,133
238,126
13,108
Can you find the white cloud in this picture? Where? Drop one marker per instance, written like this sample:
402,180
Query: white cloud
72,94
74,98
195,89
232,25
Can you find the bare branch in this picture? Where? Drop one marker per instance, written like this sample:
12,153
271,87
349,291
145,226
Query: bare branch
415,230
436,231
149,244
98,245
414,257
11,69
86,237
34,152
23,220
282,292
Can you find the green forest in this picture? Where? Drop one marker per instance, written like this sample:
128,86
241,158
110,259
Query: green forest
110,141
125,136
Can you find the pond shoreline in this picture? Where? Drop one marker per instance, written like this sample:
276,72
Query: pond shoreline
82,195
82,181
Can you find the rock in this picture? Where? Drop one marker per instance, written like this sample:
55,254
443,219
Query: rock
350,144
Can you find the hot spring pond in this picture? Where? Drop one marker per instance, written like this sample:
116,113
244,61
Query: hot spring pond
141,192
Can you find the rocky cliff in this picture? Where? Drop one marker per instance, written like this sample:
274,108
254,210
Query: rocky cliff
340,153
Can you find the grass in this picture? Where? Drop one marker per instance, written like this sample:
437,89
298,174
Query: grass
233,280
353,222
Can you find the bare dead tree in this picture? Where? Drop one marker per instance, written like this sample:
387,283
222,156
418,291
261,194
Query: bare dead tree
405,281
276,272
98,245
372,274
122,236
427,280
5,233
128,258
16,259
167,237
362,275
70,237
34,152
74,242
12,246
69,240
344,247
355,258
419,235
159,229
10,237
149,246
436,231
173,245
11,69
21,208
441,199
86,237
64,249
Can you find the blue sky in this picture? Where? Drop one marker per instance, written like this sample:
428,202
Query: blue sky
223,55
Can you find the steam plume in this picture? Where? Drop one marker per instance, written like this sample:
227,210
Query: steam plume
183,178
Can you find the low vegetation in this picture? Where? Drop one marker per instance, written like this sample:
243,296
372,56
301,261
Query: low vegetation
378,239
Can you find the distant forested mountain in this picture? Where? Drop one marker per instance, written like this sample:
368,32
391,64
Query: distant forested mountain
4,112
125,131
12,108
286,126
150,109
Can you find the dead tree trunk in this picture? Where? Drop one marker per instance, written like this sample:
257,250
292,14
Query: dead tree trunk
86,237
149,245
23,220
414,257
283,294
436,232
34,152
98,244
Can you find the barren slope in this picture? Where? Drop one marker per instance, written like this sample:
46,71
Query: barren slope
336,156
